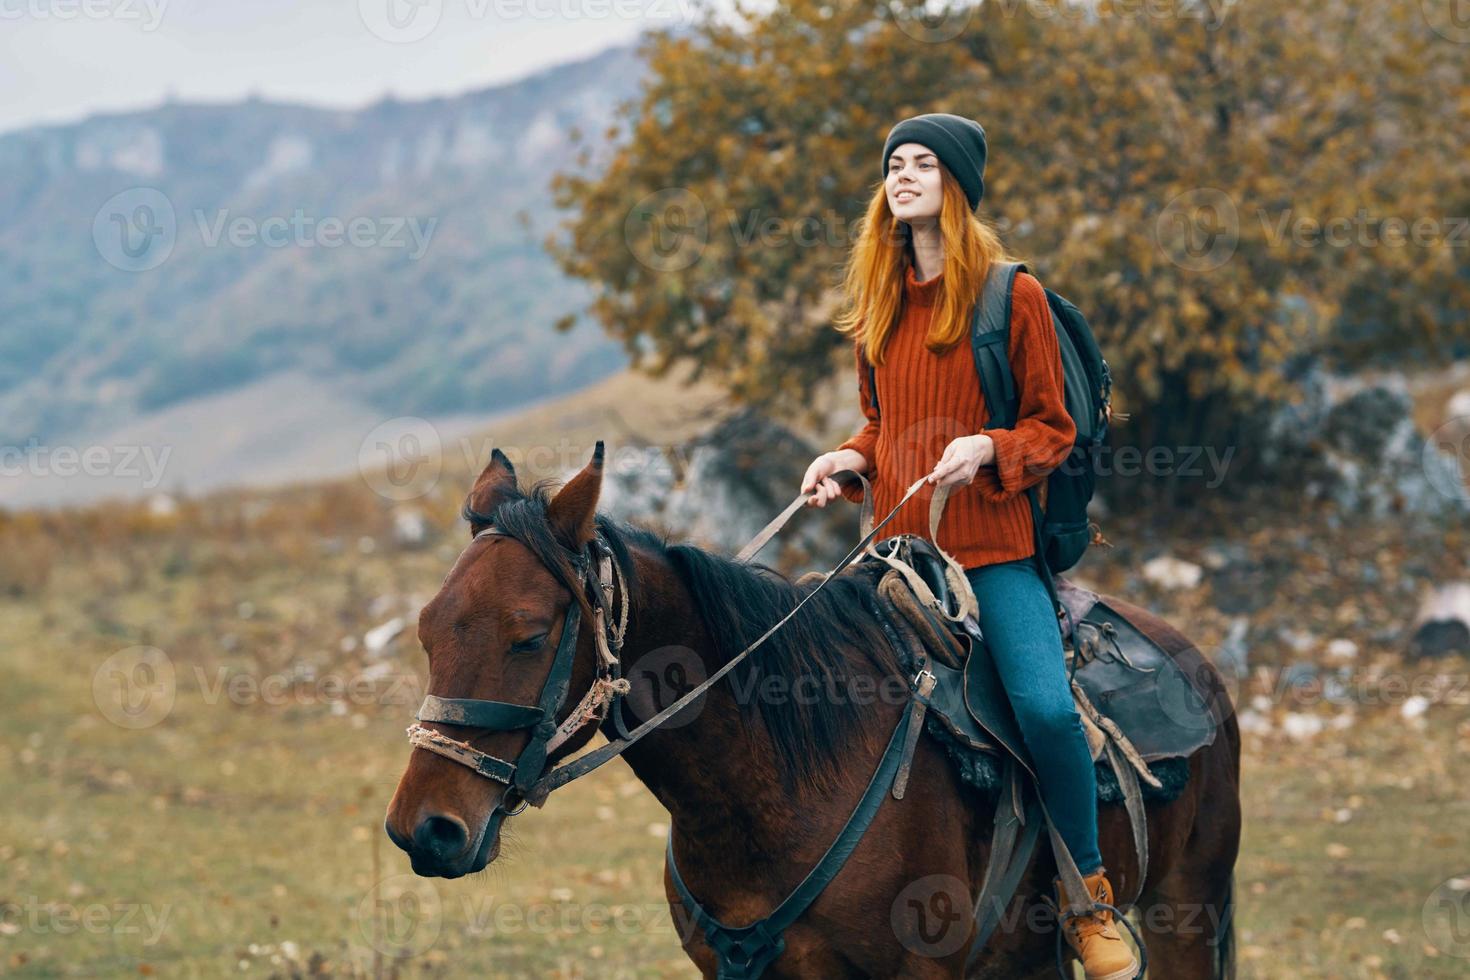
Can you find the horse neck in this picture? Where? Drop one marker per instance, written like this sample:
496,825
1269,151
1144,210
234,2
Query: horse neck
716,772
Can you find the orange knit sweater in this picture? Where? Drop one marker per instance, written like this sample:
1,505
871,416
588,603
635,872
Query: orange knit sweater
927,400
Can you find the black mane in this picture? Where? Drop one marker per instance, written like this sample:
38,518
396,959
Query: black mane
806,661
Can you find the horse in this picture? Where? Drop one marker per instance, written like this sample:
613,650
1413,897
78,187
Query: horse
757,778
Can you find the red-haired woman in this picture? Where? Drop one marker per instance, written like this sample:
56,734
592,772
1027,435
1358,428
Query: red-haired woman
914,275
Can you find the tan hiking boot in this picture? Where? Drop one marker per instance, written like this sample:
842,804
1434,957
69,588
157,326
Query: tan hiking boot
1104,953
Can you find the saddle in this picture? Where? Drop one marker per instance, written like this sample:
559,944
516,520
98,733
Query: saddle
1130,690
1136,703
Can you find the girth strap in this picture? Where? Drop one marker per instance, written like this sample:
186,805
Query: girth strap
1012,842
744,952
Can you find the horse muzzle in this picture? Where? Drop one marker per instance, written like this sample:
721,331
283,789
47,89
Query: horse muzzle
443,846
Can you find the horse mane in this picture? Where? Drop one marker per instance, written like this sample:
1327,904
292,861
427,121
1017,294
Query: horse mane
812,659
806,661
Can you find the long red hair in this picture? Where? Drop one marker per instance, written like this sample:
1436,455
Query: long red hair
880,259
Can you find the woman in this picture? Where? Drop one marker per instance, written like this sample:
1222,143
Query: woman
914,275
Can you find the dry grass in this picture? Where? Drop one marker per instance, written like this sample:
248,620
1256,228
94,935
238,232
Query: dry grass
241,834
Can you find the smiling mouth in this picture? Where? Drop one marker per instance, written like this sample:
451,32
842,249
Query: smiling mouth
904,197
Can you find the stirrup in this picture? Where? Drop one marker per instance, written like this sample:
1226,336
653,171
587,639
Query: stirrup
1097,906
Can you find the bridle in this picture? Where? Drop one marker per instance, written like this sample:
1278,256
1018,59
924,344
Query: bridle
520,777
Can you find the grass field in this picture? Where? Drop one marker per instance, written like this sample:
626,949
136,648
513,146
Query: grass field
236,830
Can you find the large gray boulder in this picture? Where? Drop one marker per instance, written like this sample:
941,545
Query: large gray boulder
720,489
1353,440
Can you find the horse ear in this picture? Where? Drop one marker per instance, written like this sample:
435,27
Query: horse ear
573,510
496,482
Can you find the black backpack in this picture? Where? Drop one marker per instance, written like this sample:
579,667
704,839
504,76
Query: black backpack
1062,529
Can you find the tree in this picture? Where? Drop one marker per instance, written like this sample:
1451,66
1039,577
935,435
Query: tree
1180,172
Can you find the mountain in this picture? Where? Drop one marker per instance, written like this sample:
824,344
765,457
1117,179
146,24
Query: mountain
390,257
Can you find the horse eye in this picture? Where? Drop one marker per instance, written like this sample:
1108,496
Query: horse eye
529,646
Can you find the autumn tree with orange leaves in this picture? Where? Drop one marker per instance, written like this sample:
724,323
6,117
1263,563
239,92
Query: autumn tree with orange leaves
1228,190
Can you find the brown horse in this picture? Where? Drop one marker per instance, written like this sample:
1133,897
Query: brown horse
760,773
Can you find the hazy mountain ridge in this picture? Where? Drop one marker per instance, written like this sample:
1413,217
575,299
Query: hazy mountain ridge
441,305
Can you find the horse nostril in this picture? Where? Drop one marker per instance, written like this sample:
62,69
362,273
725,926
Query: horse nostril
443,837
393,836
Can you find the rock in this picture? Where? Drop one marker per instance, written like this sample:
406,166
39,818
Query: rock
410,527
1300,674
722,488
1300,641
1242,587
1353,440
1442,624
375,641
1456,426
1168,572
1414,707
1300,727
377,672
1254,723
1233,654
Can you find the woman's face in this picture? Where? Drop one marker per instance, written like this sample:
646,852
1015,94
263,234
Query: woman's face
913,183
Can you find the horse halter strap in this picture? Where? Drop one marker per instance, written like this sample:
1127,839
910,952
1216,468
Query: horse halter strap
504,716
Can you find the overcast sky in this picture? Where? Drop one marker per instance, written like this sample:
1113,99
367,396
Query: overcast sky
61,60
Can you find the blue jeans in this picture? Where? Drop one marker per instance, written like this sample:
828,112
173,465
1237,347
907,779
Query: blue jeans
1021,631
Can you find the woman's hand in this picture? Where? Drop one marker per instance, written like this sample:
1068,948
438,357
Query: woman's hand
818,480
962,459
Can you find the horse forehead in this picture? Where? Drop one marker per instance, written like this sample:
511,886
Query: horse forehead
477,559
478,547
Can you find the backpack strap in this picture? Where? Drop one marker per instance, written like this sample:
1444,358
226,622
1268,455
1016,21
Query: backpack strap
873,389
990,334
